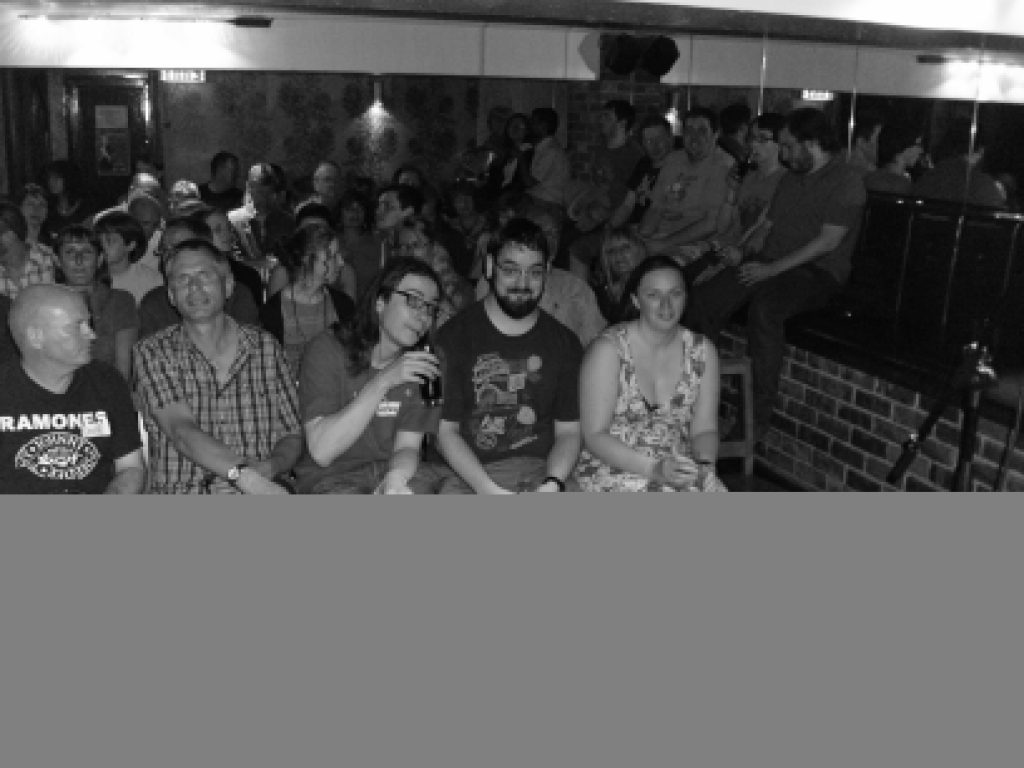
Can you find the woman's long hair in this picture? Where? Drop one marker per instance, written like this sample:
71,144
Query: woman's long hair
360,334
296,252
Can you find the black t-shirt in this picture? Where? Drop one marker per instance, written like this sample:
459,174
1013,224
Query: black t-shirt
641,182
225,201
66,443
506,392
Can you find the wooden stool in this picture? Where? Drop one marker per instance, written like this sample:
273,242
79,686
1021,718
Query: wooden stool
744,447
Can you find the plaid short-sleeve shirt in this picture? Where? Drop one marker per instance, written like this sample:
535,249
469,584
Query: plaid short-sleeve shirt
250,412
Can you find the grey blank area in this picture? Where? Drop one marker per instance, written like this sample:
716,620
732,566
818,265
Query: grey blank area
615,632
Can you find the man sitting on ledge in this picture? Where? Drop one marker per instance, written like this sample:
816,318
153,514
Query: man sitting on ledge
813,220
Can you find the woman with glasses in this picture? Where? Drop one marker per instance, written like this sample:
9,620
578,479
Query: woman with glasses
649,395
359,390
311,302
115,320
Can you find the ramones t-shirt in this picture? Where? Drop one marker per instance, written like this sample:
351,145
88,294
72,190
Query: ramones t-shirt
506,392
64,443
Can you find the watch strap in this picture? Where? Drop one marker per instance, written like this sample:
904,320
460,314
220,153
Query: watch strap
557,481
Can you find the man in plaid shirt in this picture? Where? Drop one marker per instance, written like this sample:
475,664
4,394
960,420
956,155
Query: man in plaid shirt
216,395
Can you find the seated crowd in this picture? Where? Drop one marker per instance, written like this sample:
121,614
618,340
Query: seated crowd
211,339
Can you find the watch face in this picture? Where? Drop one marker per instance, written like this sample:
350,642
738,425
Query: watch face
235,472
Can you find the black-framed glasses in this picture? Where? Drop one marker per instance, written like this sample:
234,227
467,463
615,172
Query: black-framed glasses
417,303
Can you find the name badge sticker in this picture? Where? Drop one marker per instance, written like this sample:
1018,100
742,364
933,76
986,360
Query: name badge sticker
388,408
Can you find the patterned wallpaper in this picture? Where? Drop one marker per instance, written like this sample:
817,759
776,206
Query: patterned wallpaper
296,119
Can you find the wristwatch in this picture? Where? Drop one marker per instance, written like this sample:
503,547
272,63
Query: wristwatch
556,481
235,473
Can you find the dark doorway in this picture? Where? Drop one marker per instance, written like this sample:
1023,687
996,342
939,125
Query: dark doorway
111,126
26,126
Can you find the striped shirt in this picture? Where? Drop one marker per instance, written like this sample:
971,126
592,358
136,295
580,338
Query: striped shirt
250,412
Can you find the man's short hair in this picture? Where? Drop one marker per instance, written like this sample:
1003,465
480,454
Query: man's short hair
734,117
129,229
327,164
76,233
656,120
702,112
220,160
198,244
11,218
771,121
547,117
810,124
623,111
524,233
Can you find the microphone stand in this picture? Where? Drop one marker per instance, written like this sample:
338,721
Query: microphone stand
973,375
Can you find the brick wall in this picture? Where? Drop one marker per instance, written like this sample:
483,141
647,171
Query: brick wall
839,429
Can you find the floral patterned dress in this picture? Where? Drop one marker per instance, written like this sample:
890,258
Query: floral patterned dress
651,430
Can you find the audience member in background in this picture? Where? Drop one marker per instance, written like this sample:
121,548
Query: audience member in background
656,134
217,397
396,205
262,224
958,175
122,242
222,191
36,209
72,428
509,205
510,419
150,212
363,414
520,152
621,252
813,222
613,165
361,249
310,213
327,187
311,302
183,194
467,222
68,204
548,174
867,127
742,220
415,241
411,175
900,146
649,395
494,152
225,238
115,320
691,189
21,264
157,310
734,126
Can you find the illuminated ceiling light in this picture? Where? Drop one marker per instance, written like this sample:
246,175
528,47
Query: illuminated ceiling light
377,107
809,95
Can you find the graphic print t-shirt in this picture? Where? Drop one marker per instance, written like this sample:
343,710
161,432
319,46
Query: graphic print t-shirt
506,392
67,443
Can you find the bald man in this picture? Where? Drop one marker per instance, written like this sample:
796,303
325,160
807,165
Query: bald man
67,424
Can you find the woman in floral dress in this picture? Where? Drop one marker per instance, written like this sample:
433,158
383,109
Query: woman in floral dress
649,395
